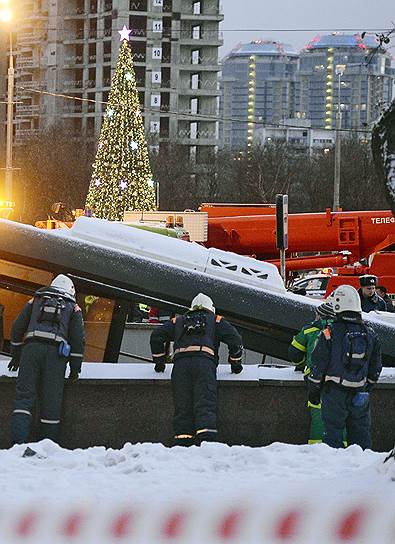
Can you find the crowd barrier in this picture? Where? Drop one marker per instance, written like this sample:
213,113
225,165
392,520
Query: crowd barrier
360,519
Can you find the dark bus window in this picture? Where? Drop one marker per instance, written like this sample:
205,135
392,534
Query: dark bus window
97,313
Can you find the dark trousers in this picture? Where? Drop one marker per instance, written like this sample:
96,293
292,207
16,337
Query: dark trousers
41,374
338,413
194,384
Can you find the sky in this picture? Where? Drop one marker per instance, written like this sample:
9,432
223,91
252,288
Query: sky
256,18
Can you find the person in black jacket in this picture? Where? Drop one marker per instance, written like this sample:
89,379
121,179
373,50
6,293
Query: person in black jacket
48,332
346,364
370,300
382,292
196,336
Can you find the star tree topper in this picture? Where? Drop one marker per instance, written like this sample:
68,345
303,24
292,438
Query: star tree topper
124,33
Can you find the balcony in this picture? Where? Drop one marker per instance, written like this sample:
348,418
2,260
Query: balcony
212,38
72,108
26,63
73,60
29,110
201,137
214,16
30,85
73,84
30,38
26,134
75,14
205,62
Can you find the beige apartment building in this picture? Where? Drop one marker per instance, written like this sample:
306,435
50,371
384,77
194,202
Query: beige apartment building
70,47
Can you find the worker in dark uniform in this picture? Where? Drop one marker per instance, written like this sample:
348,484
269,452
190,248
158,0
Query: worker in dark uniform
196,336
346,363
370,300
47,333
382,292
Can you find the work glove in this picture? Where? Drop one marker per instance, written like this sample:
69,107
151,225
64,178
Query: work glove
300,367
160,367
314,393
13,365
73,376
236,368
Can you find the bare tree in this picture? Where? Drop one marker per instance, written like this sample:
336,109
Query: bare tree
55,166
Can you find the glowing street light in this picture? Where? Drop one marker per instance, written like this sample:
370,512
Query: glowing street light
5,15
5,12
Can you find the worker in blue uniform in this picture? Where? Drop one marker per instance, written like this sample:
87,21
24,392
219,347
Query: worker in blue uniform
48,332
370,300
196,336
346,364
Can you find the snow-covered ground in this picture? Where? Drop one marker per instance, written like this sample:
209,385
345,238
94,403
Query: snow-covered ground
252,494
147,472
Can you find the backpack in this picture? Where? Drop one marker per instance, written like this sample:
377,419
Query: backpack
51,308
195,323
356,352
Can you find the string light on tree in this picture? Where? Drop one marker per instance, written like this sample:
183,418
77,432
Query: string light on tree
121,170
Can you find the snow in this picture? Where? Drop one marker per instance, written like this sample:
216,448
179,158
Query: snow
146,472
145,371
208,482
175,252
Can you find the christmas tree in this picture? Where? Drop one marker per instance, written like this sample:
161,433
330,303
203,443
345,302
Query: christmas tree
121,171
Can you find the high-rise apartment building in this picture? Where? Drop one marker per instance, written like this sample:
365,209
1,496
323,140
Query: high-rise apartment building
70,47
343,71
258,87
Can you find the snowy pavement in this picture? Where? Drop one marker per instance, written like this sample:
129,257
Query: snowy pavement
148,493
147,472
145,371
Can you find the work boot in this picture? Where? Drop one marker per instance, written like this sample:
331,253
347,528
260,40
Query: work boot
185,440
206,435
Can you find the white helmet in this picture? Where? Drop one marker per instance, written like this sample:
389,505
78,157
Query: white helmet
63,283
202,302
346,299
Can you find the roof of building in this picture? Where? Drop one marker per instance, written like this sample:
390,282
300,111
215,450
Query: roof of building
263,48
342,40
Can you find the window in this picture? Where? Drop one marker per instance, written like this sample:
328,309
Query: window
196,30
106,76
195,56
193,130
106,51
194,105
195,83
92,53
197,8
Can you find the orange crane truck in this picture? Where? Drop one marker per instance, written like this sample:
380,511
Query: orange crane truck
355,242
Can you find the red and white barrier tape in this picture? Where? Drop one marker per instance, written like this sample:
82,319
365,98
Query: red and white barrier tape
356,520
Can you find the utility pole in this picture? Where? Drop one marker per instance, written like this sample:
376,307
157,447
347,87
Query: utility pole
10,119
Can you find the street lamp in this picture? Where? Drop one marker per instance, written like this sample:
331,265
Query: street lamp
5,17
340,68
